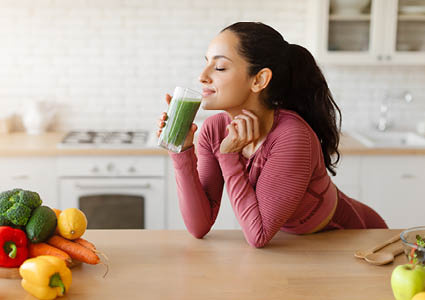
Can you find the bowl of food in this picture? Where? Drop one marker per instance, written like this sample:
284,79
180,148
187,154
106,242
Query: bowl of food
413,240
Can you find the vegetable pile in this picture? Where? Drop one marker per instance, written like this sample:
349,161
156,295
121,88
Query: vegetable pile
417,256
16,206
43,242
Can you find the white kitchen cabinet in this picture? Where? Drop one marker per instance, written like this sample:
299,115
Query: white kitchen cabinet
394,185
348,176
225,219
30,173
174,218
386,33
102,185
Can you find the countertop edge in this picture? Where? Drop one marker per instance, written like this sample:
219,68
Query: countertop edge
20,144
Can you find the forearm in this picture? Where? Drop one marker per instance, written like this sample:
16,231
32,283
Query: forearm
195,207
257,231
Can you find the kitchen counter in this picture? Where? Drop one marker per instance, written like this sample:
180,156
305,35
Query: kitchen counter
147,264
21,144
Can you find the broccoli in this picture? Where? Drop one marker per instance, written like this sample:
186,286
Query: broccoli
4,221
16,206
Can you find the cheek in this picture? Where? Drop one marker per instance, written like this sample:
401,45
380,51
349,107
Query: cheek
234,90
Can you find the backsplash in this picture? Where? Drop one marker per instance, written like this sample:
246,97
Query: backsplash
108,63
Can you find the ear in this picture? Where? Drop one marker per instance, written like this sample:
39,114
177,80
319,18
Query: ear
261,80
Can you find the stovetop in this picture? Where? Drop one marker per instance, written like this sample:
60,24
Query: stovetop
105,139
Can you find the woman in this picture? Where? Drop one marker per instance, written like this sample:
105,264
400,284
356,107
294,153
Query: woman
272,146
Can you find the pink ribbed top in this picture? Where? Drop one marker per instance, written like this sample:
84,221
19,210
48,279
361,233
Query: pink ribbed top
284,185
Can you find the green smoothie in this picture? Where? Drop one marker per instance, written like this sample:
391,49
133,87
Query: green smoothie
181,114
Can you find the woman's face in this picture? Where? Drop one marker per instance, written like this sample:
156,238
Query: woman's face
226,84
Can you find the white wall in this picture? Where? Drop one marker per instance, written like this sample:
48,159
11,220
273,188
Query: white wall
108,63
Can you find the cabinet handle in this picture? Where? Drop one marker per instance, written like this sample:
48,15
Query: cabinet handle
20,177
111,186
388,57
408,176
379,57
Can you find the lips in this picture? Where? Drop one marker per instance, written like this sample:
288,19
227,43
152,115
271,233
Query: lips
207,92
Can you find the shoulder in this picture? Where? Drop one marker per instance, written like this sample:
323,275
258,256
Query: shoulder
291,125
291,133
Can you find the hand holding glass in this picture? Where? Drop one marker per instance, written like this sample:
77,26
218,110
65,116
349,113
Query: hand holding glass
181,112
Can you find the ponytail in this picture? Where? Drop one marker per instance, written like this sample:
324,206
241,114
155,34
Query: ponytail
297,83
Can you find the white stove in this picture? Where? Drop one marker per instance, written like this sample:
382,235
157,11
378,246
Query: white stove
106,139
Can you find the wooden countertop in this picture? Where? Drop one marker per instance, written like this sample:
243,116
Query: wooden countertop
21,144
165,264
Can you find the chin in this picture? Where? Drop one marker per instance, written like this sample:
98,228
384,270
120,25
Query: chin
205,105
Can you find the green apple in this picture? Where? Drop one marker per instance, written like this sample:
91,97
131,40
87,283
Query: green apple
407,280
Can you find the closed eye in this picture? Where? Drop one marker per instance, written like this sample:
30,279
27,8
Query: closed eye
220,69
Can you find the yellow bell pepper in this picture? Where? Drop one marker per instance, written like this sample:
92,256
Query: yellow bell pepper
45,277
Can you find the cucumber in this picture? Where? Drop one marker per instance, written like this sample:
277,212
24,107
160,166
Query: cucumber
41,225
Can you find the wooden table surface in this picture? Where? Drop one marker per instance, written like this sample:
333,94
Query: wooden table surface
166,264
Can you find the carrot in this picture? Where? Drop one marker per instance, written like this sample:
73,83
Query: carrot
90,246
86,244
46,249
76,251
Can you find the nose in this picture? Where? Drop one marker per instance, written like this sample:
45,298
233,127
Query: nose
204,78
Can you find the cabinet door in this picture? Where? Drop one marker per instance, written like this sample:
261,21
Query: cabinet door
405,34
174,218
225,219
393,185
346,38
347,177
30,173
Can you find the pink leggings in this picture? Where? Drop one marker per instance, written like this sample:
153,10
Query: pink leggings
352,214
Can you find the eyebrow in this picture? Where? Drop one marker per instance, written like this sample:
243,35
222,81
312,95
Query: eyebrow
217,57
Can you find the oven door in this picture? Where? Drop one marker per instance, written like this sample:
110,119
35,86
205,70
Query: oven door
130,203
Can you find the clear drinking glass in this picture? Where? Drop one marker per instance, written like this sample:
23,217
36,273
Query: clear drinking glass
180,115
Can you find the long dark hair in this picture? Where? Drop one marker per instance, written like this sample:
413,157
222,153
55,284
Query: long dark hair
297,83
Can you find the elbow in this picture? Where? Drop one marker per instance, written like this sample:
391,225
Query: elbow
259,240
198,234
257,245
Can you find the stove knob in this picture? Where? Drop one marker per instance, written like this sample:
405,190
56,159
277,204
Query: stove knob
110,167
95,169
132,170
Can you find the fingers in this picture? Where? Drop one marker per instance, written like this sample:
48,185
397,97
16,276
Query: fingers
193,128
248,126
233,134
241,126
162,119
255,123
168,98
161,122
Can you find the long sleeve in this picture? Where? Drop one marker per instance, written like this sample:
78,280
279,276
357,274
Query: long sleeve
199,186
279,189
